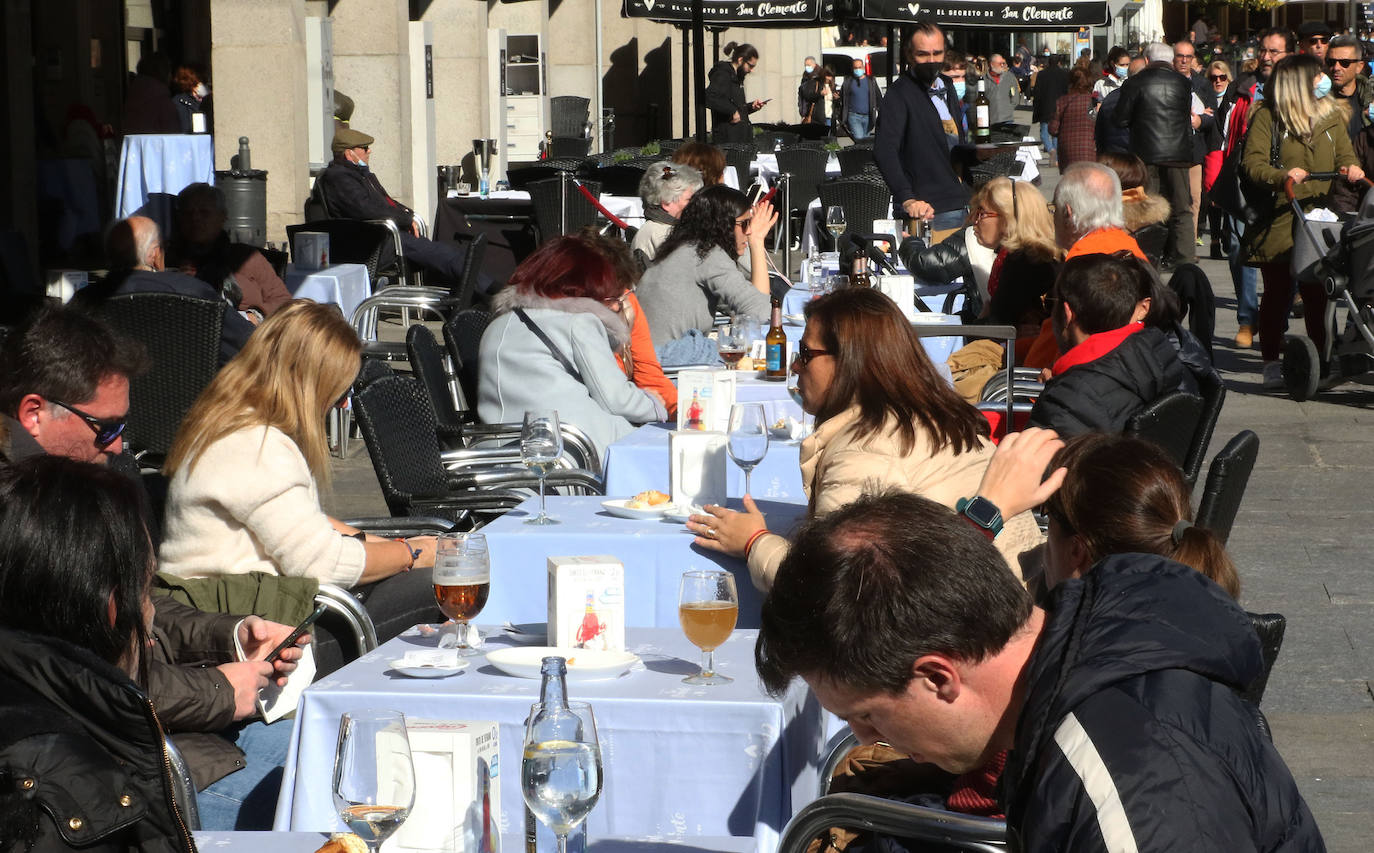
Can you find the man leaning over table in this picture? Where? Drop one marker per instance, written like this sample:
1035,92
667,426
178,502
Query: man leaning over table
64,390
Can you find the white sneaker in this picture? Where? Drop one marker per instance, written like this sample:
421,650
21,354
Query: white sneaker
1273,375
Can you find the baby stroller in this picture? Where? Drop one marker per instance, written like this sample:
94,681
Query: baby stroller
1340,256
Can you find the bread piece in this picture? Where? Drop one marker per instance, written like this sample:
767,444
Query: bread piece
343,842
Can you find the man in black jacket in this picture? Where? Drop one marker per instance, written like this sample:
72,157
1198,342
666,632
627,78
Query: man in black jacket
1051,84
919,115
351,191
1156,105
1118,700
1112,366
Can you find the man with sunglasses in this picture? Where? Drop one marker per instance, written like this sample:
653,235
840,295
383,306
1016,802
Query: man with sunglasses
1352,90
1315,37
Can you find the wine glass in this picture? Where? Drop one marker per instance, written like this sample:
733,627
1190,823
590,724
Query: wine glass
707,607
732,343
834,222
748,437
374,779
561,779
462,582
541,446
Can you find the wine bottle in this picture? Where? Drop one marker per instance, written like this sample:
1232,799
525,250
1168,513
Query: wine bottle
554,722
982,111
775,346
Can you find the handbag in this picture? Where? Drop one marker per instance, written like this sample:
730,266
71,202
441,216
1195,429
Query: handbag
1235,193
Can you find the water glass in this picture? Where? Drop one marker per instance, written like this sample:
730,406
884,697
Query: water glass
560,780
374,778
747,437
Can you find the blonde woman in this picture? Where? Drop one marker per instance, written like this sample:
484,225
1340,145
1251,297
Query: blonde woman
1312,138
1007,250
248,462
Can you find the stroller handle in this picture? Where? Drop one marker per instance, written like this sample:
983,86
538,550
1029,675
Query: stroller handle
1288,183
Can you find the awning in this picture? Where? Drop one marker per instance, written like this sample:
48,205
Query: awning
752,13
1042,16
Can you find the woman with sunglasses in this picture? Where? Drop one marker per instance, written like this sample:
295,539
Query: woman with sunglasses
559,325
885,419
247,464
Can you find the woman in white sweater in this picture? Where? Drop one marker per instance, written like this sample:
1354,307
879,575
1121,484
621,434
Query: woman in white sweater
246,466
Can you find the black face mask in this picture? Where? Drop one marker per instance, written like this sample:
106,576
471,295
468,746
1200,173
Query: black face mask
926,72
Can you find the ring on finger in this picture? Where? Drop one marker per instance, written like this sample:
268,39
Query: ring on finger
711,532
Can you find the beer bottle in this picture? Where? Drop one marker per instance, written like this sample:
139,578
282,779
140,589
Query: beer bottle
776,346
860,277
982,110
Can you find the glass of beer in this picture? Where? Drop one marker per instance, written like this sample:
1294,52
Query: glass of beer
462,581
707,607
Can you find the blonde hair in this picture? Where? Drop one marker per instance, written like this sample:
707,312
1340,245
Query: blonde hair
1026,220
1295,105
295,366
1219,65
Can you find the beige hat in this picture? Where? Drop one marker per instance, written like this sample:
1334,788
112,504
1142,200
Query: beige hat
346,138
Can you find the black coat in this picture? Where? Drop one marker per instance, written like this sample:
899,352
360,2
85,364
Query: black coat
1156,105
1132,727
811,96
1102,394
724,97
82,765
912,150
351,191
1051,84
1106,134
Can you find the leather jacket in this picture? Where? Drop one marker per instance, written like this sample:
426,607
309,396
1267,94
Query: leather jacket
1156,104
82,764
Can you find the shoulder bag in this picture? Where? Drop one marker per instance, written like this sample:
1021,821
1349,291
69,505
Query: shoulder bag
1235,193
552,347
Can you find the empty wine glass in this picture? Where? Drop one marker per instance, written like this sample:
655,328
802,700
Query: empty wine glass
707,607
560,780
374,779
732,342
834,222
541,446
748,437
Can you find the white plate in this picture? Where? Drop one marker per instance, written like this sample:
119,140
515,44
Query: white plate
583,664
428,671
619,509
527,633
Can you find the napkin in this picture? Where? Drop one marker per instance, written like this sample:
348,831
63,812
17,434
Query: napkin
697,466
900,289
438,658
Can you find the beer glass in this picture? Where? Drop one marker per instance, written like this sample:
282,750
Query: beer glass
462,582
707,607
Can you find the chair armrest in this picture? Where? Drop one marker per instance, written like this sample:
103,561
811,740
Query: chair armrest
401,526
891,817
522,478
342,602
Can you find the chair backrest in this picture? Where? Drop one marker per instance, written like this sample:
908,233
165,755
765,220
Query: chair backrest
351,242
1170,422
620,179
1213,396
806,165
397,421
1270,628
1227,478
427,363
559,208
863,201
474,246
569,146
568,115
739,155
182,337
853,159
932,829
772,138
463,340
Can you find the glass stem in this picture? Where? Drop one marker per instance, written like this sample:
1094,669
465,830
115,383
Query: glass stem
708,664
542,513
562,844
748,476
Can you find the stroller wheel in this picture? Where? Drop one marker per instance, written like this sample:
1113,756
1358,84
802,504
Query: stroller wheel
1301,368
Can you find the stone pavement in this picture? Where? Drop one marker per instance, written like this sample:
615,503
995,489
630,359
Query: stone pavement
1303,543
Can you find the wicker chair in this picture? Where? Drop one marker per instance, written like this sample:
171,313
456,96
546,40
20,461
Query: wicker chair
853,159
806,165
353,242
463,339
182,335
568,115
740,155
569,147
863,201
559,208
427,364
619,179
520,178
771,138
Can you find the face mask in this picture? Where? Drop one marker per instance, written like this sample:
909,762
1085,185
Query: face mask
926,72
200,90
1323,87
960,87
1121,70
810,69
1371,112
859,72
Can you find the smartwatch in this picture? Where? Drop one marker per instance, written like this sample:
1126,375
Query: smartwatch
981,512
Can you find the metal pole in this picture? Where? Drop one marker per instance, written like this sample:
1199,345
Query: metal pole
686,85
786,180
562,202
699,60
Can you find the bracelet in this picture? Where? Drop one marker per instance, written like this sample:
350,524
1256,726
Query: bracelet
749,545
414,553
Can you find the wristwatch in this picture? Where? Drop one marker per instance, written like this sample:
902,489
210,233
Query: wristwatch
981,512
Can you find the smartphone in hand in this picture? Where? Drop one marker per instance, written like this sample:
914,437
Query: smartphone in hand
295,635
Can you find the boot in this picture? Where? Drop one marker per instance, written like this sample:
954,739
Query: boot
1245,336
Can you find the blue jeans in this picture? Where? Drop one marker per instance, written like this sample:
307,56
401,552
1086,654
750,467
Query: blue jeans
1051,144
946,219
1244,279
247,798
858,124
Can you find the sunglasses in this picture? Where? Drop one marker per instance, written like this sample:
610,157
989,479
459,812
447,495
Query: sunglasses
1318,39
1216,77
806,353
107,430
1344,63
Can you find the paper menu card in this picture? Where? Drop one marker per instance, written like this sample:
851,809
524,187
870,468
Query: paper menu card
457,788
704,399
697,467
310,250
587,603
900,289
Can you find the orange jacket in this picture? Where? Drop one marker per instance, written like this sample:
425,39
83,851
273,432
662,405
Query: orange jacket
649,374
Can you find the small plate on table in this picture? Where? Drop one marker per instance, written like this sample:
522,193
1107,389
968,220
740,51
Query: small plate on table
619,507
683,515
436,663
583,664
794,319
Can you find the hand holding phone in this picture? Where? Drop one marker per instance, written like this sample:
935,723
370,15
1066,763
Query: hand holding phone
296,634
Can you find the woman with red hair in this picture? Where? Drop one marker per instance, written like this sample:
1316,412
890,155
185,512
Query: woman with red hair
560,322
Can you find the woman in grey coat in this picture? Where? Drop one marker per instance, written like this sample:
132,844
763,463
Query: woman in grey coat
696,273
554,344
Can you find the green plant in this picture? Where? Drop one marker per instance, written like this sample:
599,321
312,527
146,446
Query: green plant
622,157
832,146
651,150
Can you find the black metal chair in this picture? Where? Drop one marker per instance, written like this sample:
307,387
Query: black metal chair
463,339
1170,422
1270,628
853,159
568,115
740,155
863,201
182,336
806,165
772,137
1213,397
943,830
427,364
1227,477
559,208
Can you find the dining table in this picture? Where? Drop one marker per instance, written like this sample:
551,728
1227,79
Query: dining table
681,762
243,841
154,167
638,462
344,285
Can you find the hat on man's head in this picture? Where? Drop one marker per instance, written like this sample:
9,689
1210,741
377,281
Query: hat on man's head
1314,28
346,138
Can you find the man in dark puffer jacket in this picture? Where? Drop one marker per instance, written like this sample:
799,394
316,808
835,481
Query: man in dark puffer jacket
1112,365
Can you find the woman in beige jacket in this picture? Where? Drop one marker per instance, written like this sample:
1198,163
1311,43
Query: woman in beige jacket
885,420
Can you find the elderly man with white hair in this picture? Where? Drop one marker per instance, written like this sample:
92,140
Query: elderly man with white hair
665,190
1088,219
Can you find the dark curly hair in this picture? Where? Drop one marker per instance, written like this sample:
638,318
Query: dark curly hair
707,221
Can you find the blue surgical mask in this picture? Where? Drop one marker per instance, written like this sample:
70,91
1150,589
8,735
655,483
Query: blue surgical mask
1121,70
858,72
960,87
1371,112
1323,87
809,68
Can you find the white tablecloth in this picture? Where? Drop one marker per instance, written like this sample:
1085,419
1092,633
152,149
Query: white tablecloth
309,842
153,168
680,761
344,285
639,462
765,165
